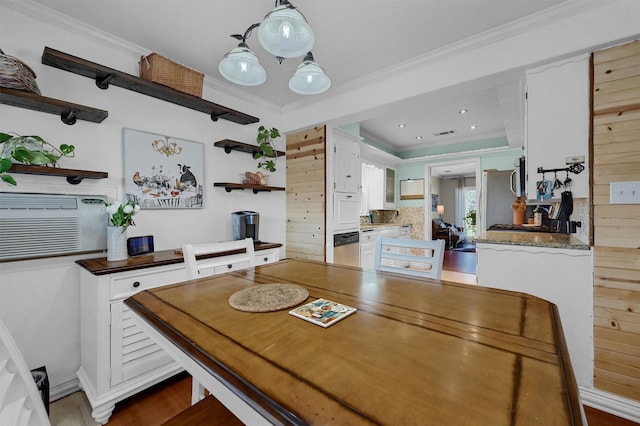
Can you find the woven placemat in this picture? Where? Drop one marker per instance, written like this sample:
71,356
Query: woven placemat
268,297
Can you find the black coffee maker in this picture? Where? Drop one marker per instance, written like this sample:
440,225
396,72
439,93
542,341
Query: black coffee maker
245,224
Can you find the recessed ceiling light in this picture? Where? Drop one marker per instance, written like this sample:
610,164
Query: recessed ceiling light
463,111
473,127
402,126
418,137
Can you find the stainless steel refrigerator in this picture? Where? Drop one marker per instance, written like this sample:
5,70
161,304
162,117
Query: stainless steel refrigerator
496,198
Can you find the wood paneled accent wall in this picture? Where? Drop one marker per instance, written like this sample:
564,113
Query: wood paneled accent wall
306,193
616,157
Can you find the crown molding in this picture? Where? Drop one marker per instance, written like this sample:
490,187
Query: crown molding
490,37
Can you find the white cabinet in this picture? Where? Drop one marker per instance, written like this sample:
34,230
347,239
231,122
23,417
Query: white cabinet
346,211
561,276
558,122
346,163
368,249
389,188
117,358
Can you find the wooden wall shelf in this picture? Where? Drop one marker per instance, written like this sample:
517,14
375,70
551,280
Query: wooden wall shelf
230,145
229,186
105,76
67,111
74,177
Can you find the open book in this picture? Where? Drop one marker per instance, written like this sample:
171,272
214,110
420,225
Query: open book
322,312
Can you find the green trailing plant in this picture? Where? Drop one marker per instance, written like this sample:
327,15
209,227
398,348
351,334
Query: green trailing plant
31,150
267,154
470,219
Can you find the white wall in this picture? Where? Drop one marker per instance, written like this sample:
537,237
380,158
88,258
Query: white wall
39,300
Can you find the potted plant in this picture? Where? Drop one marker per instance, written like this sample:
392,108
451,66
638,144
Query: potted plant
267,154
32,150
470,220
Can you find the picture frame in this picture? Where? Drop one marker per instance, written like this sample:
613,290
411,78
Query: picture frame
162,172
434,202
412,189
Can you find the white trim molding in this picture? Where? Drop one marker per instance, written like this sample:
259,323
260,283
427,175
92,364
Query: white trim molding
611,403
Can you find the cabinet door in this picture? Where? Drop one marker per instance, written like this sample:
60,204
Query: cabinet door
346,211
133,353
368,256
347,173
558,123
389,188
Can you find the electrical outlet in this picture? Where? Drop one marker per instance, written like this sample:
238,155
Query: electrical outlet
624,192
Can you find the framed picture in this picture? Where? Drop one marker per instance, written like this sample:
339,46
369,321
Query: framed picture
434,202
412,189
162,172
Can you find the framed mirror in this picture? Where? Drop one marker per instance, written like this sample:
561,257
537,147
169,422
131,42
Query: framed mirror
412,189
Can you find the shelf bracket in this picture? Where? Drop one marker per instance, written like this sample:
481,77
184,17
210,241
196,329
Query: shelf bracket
74,180
215,117
69,117
103,83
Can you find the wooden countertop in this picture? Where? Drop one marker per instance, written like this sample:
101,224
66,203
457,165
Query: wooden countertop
417,351
100,265
535,239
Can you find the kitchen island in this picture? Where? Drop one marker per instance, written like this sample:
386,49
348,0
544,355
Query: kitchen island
555,267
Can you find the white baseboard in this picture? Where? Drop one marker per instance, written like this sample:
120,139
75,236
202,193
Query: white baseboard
64,389
611,403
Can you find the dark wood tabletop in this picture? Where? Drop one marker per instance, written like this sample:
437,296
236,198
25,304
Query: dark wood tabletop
417,351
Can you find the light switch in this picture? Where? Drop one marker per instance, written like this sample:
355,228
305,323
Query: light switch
624,192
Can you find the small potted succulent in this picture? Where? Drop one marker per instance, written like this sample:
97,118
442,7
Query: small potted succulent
31,150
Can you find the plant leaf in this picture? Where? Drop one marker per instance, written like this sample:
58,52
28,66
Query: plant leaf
5,164
8,179
67,149
5,137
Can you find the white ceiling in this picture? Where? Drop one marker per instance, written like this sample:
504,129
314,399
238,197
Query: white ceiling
354,38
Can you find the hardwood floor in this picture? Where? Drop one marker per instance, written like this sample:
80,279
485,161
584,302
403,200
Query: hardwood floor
161,402
459,261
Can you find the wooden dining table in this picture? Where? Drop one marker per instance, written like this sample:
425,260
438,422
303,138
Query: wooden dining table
416,352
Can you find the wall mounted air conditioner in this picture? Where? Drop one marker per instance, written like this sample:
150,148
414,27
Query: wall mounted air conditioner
43,225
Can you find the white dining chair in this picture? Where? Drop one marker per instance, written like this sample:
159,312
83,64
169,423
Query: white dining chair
20,401
201,260
420,258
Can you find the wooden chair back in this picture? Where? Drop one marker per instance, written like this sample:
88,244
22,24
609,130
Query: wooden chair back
20,401
420,258
201,260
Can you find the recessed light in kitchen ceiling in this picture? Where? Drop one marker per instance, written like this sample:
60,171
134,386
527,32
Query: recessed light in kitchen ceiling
473,127
463,111
402,126
418,137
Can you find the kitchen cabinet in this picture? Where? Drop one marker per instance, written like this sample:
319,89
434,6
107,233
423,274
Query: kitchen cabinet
346,211
389,188
346,163
367,249
117,358
558,122
559,275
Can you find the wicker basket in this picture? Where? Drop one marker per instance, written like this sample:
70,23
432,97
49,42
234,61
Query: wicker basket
15,74
161,70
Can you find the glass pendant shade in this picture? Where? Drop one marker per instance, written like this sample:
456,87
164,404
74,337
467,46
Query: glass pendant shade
285,33
309,79
241,66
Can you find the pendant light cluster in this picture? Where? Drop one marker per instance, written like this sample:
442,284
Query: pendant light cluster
285,34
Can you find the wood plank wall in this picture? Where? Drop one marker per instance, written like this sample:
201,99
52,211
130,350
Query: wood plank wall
616,228
306,194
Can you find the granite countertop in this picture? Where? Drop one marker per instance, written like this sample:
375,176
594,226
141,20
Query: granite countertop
366,226
534,239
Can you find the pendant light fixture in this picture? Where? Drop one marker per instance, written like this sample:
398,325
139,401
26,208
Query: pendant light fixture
241,65
309,78
284,33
